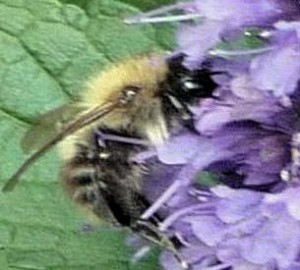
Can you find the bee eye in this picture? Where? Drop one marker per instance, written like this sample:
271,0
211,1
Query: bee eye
128,93
188,85
131,91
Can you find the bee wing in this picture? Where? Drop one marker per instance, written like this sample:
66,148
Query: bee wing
84,119
48,125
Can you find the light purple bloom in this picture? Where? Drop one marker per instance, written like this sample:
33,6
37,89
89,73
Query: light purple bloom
278,70
289,26
252,146
242,229
244,135
255,156
226,16
239,12
248,138
217,19
227,227
239,101
189,37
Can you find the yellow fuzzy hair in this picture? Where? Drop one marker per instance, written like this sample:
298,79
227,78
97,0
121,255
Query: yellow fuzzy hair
144,72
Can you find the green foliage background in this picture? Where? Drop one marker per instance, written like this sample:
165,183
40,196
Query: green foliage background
48,49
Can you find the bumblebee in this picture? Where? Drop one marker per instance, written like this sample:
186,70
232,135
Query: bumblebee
129,107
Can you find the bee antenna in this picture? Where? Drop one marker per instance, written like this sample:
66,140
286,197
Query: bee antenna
162,15
81,122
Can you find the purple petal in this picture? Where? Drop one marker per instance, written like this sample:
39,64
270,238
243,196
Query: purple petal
277,71
193,255
195,41
249,266
271,242
290,26
179,149
239,12
260,178
238,205
291,197
243,103
208,229
294,266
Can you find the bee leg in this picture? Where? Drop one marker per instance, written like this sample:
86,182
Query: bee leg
185,115
151,233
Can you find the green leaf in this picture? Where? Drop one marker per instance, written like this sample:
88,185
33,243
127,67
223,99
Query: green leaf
48,50
206,179
250,41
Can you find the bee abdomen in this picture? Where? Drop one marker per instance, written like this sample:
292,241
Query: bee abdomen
86,190
79,183
107,191
83,178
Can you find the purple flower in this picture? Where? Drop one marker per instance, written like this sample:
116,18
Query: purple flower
226,227
245,138
218,20
241,154
239,101
235,13
196,41
222,18
239,12
278,70
248,138
289,26
241,229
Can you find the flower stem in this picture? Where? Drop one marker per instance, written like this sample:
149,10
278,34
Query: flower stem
160,19
140,254
163,10
185,211
183,179
161,200
160,15
231,53
116,138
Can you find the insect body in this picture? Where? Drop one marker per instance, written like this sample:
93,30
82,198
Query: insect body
130,106
102,175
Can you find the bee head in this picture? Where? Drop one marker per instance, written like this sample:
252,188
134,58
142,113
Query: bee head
135,80
186,85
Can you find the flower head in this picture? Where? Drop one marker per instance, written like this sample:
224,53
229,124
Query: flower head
241,229
238,13
282,61
247,136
